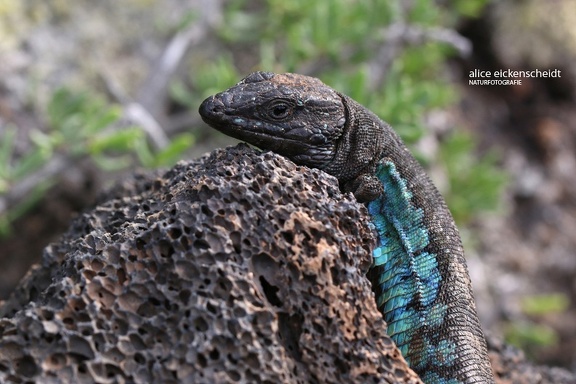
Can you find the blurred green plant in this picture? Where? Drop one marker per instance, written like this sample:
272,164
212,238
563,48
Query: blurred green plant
352,45
540,305
346,44
529,335
84,124
475,184
79,125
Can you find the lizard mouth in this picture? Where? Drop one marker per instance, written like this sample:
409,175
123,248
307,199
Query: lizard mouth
255,132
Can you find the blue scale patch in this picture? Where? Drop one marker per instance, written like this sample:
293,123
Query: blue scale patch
409,278
433,377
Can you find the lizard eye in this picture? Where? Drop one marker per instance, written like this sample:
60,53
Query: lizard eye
279,109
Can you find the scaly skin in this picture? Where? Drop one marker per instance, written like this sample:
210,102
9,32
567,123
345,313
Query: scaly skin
419,273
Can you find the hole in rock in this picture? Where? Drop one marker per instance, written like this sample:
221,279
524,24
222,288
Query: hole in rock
270,291
290,328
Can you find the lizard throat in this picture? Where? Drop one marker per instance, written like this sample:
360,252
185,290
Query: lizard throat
295,150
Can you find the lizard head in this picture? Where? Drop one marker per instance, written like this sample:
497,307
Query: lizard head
294,115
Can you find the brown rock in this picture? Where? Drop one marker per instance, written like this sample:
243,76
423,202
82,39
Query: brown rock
238,267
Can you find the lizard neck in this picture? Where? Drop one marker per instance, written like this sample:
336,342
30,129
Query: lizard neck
360,148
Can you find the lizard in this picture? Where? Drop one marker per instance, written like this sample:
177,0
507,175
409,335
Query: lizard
418,273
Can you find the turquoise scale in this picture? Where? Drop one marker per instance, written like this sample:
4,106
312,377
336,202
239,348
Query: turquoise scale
409,278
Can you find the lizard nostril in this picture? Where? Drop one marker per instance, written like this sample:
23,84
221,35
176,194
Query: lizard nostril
211,106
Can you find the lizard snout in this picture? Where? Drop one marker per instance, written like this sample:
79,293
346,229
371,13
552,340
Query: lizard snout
210,107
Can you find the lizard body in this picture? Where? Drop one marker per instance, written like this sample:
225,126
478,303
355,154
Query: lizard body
419,273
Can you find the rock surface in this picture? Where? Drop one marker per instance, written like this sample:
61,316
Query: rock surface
238,267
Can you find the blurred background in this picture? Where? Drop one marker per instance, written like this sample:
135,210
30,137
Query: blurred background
92,91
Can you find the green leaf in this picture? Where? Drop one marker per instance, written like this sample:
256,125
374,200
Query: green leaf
47,141
62,105
144,153
187,19
181,94
470,8
24,206
173,152
6,150
529,335
219,75
119,141
112,163
31,162
476,183
545,304
96,122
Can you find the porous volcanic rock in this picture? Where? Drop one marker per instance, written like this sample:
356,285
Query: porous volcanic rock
237,267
